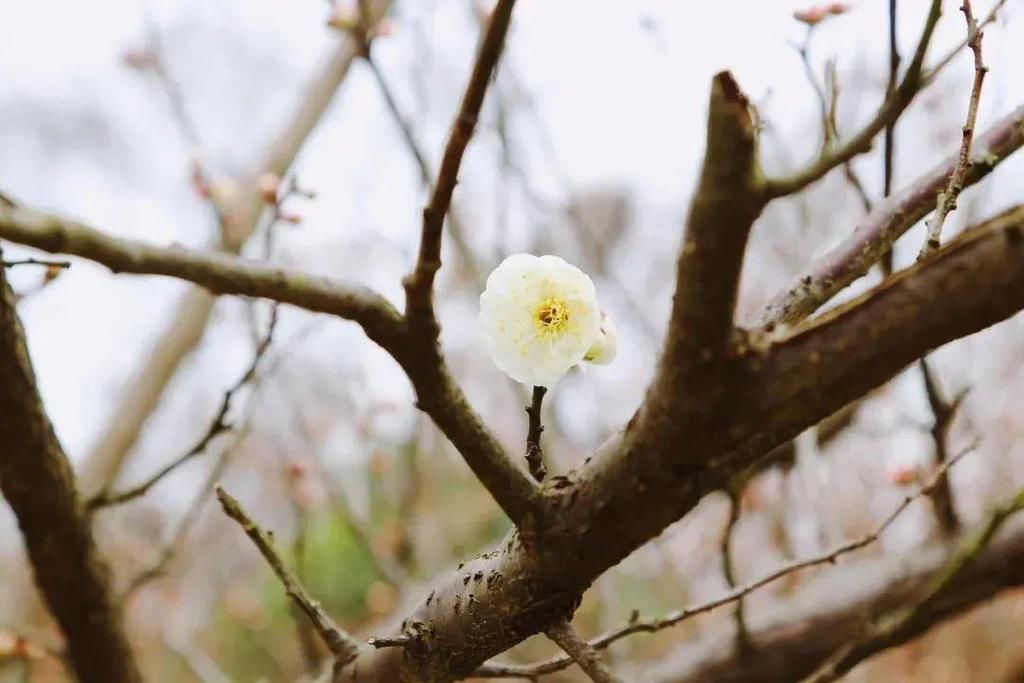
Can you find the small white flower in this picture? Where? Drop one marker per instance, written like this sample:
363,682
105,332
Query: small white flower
540,318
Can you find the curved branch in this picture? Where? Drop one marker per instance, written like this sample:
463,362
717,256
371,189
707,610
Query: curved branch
830,609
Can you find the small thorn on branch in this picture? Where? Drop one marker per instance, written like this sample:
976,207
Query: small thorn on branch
534,452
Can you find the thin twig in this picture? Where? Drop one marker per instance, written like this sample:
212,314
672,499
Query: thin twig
534,451
342,646
636,625
891,627
943,413
875,233
420,283
734,492
169,550
889,149
947,199
48,263
219,425
892,108
581,652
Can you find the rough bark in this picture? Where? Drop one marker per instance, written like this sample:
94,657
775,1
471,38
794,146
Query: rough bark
37,482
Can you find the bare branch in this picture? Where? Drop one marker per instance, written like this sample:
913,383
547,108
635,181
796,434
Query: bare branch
343,646
891,109
943,413
456,226
188,321
47,263
894,627
932,73
637,625
534,452
37,482
581,652
218,426
947,198
220,273
722,211
830,609
437,393
419,285
876,232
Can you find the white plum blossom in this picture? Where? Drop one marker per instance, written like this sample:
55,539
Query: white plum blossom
540,318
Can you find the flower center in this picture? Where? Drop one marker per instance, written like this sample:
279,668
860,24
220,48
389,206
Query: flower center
551,315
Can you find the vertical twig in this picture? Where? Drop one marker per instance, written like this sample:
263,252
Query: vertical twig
947,198
534,452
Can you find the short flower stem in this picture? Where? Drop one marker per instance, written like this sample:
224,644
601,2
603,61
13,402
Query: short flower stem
534,452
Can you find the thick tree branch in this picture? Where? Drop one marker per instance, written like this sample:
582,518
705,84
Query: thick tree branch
891,109
419,285
37,482
876,232
722,211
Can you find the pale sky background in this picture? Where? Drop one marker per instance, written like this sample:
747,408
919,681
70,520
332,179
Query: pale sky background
620,88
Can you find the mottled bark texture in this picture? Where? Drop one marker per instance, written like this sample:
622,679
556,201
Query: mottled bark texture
37,482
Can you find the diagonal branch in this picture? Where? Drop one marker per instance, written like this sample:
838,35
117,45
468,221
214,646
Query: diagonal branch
736,595
343,646
877,231
219,425
419,285
220,273
892,108
189,319
37,482
437,392
830,609
895,628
